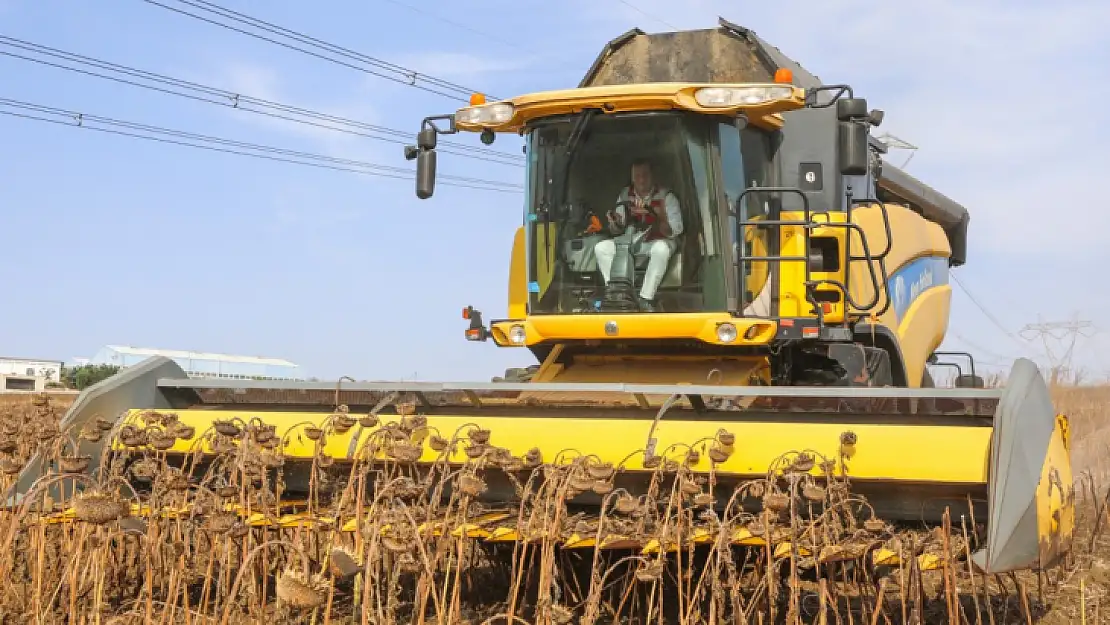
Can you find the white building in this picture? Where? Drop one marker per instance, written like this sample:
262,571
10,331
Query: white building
203,364
28,374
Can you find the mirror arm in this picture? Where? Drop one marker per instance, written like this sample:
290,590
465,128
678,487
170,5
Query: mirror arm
424,152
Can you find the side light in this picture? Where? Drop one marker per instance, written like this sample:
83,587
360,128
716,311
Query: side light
516,335
477,99
783,76
734,96
726,333
485,114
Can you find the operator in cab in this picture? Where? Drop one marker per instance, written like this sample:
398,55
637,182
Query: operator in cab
656,220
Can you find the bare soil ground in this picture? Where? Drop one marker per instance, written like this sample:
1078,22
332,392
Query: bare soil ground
166,572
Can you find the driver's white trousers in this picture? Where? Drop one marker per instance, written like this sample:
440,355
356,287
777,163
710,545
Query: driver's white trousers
658,252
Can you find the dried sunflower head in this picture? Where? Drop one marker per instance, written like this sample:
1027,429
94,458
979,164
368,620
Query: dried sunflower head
601,471
813,492
601,487
874,525
803,463
342,563
227,427
9,466
98,508
625,504
650,572
718,455
479,436
405,452
299,591
533,458
74,464
777,502
471,485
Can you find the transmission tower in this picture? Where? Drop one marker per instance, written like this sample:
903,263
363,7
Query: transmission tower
1058,338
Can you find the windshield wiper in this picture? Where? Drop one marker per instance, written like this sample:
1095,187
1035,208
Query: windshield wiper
575,137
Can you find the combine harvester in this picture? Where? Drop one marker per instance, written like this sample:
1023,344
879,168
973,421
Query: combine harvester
780,370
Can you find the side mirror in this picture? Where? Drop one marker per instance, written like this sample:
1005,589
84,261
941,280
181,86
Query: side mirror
848,109
851,148
425,174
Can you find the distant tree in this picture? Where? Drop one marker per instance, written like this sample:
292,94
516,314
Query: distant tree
84,376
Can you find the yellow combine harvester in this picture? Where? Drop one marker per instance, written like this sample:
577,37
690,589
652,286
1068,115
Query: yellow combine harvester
772,327
797,261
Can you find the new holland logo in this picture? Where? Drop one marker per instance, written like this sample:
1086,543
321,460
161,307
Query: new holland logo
924,281
904,296
611,328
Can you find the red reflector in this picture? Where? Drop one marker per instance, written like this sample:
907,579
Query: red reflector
787,323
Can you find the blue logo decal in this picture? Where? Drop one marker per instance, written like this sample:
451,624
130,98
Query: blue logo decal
909,282
533,287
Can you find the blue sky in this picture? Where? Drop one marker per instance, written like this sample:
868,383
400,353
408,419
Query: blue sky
116,240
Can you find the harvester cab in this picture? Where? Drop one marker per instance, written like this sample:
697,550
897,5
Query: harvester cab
775,293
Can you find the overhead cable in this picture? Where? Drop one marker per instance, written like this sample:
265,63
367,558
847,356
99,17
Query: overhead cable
368,64
223,97
136,130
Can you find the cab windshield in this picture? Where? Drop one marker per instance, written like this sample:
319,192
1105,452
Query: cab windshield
655,169
581,167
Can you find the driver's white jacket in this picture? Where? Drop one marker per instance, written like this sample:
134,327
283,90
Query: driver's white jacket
661,196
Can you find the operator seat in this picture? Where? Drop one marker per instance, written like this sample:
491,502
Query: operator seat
672,276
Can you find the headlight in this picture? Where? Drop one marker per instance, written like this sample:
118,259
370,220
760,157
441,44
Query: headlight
486,114
733,96
516,335
726,333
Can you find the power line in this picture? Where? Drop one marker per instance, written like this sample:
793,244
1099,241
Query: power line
989,316
648,15
459,25
402,75
230,99
81,120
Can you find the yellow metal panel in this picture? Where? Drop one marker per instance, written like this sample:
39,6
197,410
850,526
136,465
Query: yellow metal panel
880,453
700,326
518,277
638,97
913,237
1056,496
922,330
